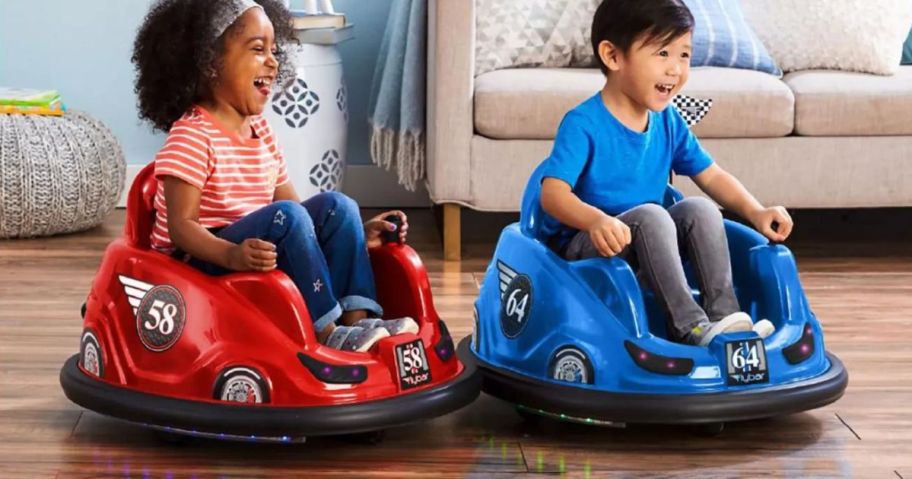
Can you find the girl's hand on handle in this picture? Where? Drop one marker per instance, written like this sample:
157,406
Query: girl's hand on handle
764,219
252,255
376,226
609,235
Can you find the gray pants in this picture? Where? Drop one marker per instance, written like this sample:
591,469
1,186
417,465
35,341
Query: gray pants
655,233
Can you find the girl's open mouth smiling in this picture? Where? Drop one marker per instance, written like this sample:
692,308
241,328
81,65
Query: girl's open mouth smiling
263,84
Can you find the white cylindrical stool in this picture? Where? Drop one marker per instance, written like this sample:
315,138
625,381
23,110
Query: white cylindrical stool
310,119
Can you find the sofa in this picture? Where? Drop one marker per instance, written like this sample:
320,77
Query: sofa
812,139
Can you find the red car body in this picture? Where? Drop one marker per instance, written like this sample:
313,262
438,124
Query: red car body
156,326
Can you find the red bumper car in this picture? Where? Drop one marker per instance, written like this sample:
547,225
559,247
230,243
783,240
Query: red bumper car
235,356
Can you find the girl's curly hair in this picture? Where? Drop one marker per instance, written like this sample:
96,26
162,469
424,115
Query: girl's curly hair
174,55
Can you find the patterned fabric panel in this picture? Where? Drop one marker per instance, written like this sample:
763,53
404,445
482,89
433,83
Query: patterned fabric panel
533,33
692,109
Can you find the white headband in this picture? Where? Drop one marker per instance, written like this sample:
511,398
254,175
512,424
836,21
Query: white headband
229,12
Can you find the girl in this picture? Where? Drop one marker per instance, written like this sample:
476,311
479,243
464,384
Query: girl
224,202
604,181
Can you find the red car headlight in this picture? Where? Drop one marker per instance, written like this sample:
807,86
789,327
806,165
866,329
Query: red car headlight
444,348
333,373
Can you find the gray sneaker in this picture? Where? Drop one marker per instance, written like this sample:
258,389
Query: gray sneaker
394,326
704,332
355,338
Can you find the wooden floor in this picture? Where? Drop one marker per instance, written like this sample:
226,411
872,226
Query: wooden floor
861,290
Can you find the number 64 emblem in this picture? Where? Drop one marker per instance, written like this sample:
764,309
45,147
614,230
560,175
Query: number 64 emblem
516,301
160,313
746,362
744,356
517,307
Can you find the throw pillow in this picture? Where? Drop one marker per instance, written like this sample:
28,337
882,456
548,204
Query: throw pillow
691,109
832,34
532,33
555,33
722,38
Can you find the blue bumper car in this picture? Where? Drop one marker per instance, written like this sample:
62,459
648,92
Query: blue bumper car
584,341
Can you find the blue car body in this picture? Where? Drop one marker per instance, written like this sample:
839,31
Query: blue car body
590,326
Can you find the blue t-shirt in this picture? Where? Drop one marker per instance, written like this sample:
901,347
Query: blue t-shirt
614,168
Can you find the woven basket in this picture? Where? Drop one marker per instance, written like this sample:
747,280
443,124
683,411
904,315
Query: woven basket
57,174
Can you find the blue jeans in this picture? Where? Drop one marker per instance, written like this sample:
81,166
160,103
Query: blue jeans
320,246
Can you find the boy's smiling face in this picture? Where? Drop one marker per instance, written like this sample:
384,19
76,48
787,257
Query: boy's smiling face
248,65
651,74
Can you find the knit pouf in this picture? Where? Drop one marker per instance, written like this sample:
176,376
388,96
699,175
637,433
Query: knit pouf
57,174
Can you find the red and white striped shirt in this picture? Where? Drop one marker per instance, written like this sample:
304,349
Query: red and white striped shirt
235,175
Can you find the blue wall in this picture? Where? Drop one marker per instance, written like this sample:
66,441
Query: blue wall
359,57
82,48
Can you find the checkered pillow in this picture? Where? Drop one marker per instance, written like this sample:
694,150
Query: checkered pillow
692,109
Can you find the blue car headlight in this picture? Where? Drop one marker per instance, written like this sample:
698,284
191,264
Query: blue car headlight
801,349
656,363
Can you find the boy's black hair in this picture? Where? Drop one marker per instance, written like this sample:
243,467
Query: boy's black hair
621,22
175,56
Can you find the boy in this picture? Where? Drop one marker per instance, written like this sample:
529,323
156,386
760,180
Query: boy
604,181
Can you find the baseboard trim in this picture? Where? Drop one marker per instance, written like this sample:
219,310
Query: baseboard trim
132,171
369,185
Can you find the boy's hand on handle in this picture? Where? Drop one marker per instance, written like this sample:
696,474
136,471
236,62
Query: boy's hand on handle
609,235
376,226
765,219
252,255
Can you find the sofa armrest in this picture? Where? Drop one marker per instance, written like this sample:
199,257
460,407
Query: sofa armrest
450,117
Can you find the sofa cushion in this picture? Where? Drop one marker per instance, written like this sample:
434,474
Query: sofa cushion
746,103
833,103
796,171
530,103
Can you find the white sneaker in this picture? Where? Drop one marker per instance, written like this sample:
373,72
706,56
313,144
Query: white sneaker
764,328
704,333
394,326
355,338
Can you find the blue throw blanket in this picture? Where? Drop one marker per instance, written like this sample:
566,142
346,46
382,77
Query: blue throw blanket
907,50
397,102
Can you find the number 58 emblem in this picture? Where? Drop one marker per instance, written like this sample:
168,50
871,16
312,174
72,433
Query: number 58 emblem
413,366
160,313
